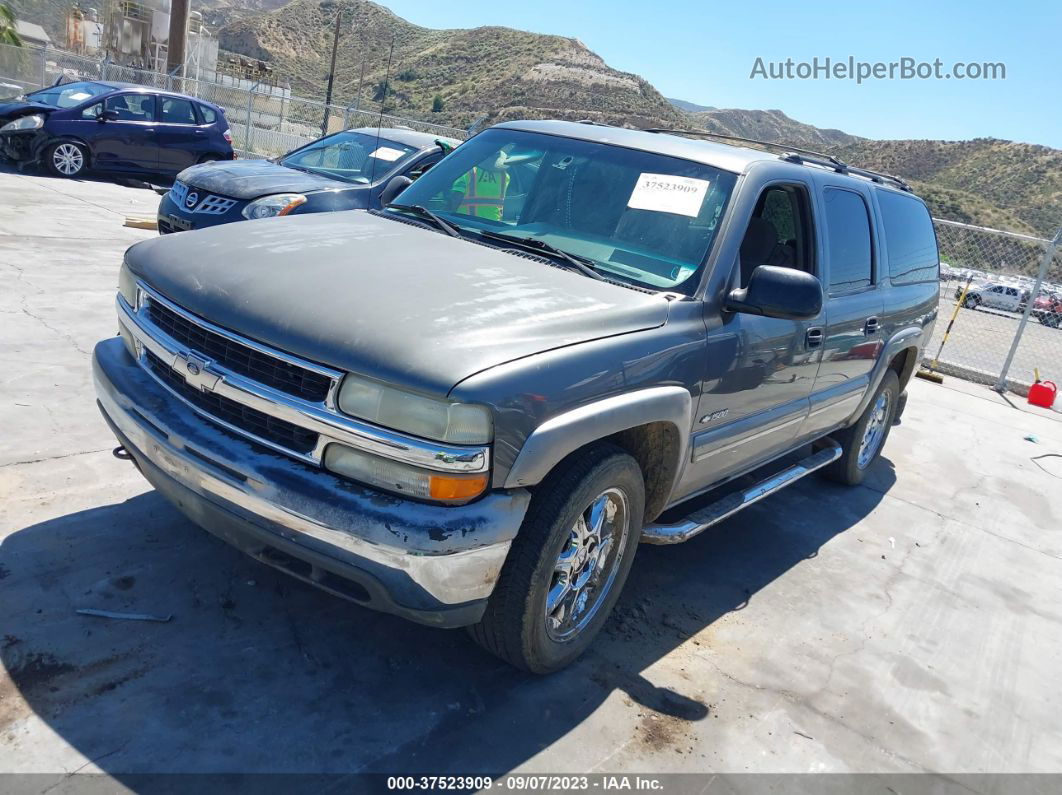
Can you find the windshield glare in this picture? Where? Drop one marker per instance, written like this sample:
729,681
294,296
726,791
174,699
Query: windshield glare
638,216
68,95
350,156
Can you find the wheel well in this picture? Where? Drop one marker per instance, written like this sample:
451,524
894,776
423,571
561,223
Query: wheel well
904,364
67,139
655,447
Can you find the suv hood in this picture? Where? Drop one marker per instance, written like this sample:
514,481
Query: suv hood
391,300
249,179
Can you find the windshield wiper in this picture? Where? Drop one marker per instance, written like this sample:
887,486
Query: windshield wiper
581,264
428,215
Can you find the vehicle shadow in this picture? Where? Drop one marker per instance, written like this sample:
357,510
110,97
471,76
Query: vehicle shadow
149,182
256,672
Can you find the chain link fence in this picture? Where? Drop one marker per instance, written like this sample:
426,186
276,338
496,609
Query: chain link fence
265,120
1005,292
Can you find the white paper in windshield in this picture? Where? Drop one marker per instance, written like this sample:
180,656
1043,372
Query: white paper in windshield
665,193
80,95
387,153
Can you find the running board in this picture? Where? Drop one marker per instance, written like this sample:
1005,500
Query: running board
726,507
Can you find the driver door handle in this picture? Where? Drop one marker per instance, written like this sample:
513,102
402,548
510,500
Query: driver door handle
871,326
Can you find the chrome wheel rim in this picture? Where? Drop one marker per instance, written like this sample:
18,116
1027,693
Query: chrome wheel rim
68,159
875,431
587,565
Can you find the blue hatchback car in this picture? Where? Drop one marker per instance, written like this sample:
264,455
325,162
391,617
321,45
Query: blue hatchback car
119,128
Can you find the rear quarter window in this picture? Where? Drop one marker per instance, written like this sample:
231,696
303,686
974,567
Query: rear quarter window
910,242
207,114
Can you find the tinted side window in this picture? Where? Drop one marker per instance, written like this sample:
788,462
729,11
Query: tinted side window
848,239
177,111
132,107
207,114
909,237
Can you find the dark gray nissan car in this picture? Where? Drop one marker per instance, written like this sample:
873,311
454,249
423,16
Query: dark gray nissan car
469,408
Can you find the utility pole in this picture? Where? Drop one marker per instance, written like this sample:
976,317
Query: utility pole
331,74
178,36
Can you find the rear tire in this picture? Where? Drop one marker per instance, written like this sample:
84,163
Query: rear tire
66,159
862,443
540,618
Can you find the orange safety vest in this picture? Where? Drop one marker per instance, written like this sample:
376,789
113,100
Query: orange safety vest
484,193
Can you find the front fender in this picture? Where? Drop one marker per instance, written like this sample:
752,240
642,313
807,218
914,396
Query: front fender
565,433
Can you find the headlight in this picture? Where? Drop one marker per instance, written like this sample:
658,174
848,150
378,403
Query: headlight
439,420
401,478
269,206
127,287
32,122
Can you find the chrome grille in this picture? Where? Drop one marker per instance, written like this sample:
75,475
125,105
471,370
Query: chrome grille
260,367
215,205
179,192
229,412
205,203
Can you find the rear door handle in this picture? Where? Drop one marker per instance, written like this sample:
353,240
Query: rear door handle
871,326
813,337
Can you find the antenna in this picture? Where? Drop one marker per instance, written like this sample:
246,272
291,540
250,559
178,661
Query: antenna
379,119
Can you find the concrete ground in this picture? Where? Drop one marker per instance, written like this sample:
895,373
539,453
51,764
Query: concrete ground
911,624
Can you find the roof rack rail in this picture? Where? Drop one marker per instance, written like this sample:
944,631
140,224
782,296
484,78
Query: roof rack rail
796,154
843,168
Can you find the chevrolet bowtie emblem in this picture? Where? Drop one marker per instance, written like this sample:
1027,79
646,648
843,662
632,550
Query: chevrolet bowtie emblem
196,371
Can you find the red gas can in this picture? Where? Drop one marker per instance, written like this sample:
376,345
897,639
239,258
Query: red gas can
1042,393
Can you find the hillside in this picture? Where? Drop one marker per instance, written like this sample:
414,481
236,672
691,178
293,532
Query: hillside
985,181
495,72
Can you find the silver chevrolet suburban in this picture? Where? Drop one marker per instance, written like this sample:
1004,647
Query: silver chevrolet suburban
468,409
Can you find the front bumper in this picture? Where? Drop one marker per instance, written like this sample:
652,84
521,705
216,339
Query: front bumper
23,146
429,563
174,218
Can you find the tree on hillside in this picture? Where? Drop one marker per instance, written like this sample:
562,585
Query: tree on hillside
382,91
8,34
437,104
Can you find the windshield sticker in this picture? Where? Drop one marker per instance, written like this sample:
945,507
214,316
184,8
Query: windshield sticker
666,193
80,95
387,153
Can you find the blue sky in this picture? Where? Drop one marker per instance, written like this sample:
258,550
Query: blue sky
704,51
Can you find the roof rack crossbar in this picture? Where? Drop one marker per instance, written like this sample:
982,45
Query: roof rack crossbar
799,155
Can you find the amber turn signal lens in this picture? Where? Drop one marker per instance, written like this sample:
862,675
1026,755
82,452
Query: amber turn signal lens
448,487
292,205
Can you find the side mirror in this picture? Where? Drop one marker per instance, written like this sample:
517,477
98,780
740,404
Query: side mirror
107,115
393,188
778,292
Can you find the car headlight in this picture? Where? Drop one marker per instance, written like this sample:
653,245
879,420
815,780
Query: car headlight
32,122
401,478
439,420
127,287
270,206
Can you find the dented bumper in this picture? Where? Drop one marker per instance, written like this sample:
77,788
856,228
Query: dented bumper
429,563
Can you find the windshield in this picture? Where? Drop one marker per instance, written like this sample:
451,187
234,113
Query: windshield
350,156
68,95
639,216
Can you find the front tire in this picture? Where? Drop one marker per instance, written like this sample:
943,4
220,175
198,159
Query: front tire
862,443
67,159
971,302
568,563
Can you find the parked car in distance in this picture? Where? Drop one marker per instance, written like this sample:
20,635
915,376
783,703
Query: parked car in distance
343,171
1007,297
469,408
114,128
1047,308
